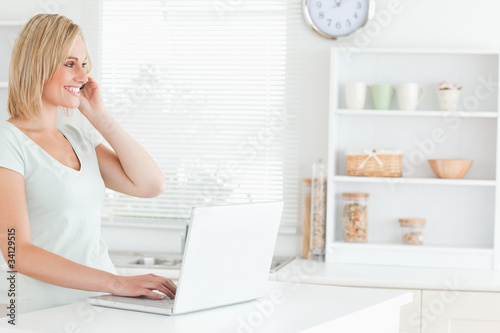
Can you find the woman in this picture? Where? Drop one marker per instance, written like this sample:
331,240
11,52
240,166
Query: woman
52,178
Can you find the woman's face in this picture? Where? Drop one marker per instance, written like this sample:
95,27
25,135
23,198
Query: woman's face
64,88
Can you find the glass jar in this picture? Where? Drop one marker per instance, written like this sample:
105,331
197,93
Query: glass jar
306,216
412,231
318,212
354,217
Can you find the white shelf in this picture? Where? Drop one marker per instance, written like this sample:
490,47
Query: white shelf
412,255
3,84
423,181
397,247
399,113
459,211
436,51
12,23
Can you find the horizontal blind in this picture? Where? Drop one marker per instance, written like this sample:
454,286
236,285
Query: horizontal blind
207,88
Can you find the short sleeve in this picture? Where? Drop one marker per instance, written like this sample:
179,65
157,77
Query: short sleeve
94,136
11,154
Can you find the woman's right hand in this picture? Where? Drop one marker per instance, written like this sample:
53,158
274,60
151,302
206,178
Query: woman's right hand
142,285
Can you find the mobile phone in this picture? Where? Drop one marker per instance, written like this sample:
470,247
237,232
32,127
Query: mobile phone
83,85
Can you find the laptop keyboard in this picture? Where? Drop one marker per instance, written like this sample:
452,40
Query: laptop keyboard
142,300
152,301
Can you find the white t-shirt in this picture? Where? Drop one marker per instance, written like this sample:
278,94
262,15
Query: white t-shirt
64,207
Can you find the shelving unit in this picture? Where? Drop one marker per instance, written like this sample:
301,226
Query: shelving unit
463,225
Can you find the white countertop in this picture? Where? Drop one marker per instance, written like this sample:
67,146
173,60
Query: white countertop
307,271
288,307
355,275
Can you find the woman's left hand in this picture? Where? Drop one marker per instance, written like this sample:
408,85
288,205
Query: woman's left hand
91,104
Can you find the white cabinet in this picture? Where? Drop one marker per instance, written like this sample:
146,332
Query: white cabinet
460,312
444,300
463,228
409,319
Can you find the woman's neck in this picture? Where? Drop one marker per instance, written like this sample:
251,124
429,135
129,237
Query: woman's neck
46,122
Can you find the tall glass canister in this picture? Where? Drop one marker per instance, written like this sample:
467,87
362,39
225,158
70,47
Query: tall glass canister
306,216
318,212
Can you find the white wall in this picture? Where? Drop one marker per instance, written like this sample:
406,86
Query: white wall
410,23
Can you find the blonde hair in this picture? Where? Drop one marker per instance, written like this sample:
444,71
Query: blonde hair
43,44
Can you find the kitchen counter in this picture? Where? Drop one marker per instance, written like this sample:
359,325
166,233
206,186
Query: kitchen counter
353,275
307,271
287,307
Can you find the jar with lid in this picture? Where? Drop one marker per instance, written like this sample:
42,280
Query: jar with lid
318,212
306,216
412,231
354,217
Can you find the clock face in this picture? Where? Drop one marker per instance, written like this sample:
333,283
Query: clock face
335,18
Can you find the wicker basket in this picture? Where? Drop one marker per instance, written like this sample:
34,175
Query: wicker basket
375,163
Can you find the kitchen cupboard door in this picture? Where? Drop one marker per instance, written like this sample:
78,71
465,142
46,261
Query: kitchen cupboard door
409,320
455,311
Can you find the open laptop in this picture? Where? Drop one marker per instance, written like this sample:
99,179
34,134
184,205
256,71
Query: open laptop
226,260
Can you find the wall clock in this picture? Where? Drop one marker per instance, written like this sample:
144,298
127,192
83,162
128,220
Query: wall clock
337,18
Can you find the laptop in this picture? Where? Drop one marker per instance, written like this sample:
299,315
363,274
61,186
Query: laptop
227,258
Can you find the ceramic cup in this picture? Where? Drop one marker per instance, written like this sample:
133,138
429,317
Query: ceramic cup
409,95
356,94
382,96
448,99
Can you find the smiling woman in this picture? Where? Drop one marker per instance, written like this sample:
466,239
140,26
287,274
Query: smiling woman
52,178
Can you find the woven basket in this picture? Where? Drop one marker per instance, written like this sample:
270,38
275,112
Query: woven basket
366,163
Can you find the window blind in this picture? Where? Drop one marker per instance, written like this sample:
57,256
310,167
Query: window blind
209,89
